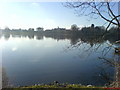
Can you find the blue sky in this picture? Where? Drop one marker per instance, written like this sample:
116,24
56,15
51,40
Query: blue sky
40,14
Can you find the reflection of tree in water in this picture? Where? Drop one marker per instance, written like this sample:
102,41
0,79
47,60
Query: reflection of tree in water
6,36
116,83
93,10
114,62
93,44
74,40
31,36
19,36
104,76
39,37
87,45
87,41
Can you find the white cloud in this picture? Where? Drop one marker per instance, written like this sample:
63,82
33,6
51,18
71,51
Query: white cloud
14,48
35,4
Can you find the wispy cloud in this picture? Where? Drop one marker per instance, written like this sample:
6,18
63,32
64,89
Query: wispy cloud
35,4
14,48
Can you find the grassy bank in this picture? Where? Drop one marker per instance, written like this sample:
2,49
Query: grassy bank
57,86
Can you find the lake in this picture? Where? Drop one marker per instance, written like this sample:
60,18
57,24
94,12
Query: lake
36,60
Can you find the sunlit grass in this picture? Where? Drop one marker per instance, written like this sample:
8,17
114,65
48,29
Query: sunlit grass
58,86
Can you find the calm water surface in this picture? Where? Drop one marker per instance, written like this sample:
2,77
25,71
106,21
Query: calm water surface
31,61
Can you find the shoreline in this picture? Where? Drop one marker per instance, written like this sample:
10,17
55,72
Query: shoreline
56,85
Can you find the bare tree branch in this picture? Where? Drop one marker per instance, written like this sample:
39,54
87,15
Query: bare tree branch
112,13
96,8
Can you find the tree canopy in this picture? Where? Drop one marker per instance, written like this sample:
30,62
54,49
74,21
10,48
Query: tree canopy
74,27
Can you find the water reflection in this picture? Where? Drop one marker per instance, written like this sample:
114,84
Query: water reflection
74,39
114,62
36,55
5,80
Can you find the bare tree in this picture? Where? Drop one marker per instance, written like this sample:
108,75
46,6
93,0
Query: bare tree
97,9
74,27
105,11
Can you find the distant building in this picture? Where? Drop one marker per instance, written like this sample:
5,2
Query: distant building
39,29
